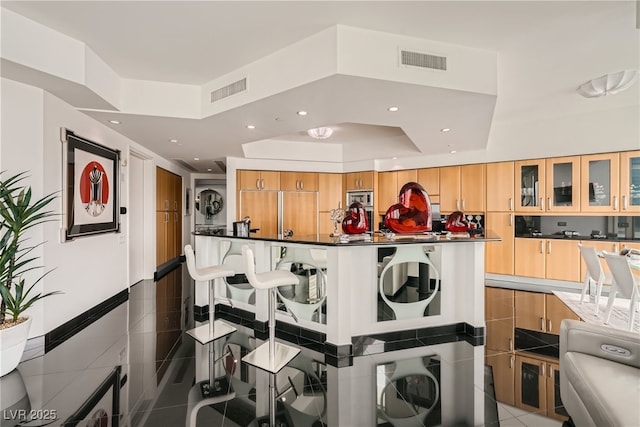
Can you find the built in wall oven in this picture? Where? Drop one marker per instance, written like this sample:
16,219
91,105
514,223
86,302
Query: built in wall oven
366,200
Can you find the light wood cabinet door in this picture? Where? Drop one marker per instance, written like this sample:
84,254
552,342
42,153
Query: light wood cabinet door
359,180
500,178
630,182
450,189
499,255
562,260
258,180
503,368
299,181
629,245
330,193
429,178
299,213
529,257
262,208
600,183
472,188
531,384
499,318
387,191
563,184
404,177
556,311
162,237
530,185
530,311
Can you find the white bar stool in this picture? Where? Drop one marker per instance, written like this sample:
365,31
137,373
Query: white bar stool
213,390
271,356
216,328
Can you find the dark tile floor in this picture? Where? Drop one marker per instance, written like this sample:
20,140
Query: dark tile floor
113,367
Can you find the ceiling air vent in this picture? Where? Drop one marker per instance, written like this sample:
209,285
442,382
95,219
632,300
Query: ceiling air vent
423,60
228,90
185,165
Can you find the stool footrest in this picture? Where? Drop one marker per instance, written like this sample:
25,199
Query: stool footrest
260,357
203,336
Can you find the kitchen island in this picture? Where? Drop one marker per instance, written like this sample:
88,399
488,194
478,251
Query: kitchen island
411,285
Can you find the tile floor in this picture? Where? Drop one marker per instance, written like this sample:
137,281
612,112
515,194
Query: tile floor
117,361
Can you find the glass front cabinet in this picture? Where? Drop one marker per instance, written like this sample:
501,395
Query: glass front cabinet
530,185
549,185
600,183
630,181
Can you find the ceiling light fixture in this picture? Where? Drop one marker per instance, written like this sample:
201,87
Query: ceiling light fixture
173,141
209,170
452,152
445,130
196,158
320,133
302,113
393,109
608,84
251,127
114,122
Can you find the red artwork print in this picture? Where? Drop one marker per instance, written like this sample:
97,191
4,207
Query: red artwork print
94,188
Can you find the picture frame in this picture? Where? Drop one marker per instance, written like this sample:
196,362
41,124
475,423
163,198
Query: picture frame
91,189
102,408
188,197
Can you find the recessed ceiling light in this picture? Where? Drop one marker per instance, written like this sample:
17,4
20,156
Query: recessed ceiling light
452,152
173,141
394,158
302,113
393,109
251,127
445,130
209,170
196,158
114,122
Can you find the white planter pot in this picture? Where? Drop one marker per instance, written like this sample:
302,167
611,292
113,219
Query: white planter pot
12,343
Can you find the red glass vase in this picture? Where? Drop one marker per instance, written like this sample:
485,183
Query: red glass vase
456,223
355,220
413,212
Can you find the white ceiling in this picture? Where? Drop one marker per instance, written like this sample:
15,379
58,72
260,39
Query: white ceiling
197,42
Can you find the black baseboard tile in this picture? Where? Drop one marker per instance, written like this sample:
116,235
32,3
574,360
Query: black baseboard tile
338,362
68,329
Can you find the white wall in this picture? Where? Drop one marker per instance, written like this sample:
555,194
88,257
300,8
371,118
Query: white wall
87,270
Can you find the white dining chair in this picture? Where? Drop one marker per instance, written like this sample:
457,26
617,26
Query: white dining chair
594,274
625,285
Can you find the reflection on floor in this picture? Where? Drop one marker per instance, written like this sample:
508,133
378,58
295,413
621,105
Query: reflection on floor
427,383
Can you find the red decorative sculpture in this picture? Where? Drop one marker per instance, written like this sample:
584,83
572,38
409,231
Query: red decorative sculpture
413,212
355,220
457,223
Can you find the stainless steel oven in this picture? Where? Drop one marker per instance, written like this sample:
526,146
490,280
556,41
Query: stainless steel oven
366,200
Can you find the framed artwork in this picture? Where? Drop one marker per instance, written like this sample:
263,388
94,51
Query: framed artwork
102,408
187,201
91,196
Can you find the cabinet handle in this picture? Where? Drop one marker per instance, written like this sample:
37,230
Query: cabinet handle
541,203
166,205
549,203
360,183
175,205
550,371
463,207
549,246
510,344
301,184
510,220
541,246
510,203
511,362
615,203
542,324
542,367
625,203
166,217
258,183
550,325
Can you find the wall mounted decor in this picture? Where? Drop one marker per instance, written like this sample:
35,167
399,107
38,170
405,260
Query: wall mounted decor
91,187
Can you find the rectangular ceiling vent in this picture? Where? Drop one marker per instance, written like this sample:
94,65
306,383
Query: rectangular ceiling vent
185,165
423,60
228,90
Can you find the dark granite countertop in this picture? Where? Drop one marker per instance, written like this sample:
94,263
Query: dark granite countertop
375,240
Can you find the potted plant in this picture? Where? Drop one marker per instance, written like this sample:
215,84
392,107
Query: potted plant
18,214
